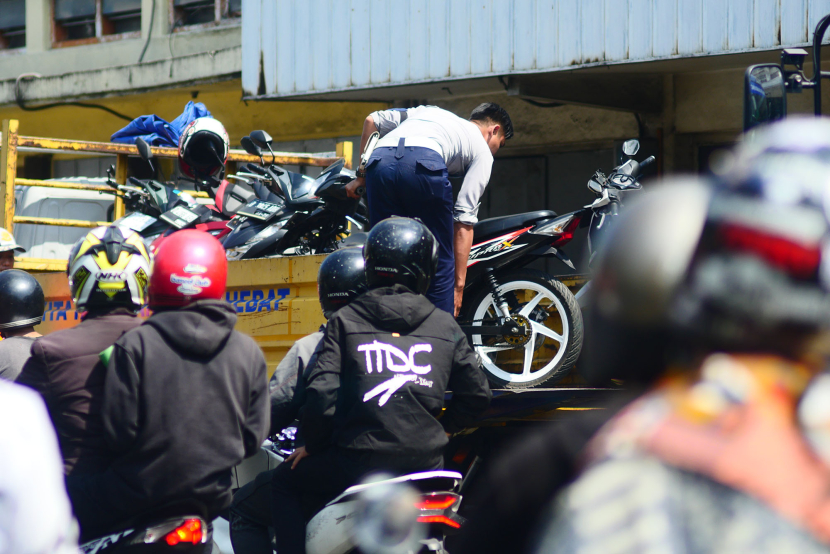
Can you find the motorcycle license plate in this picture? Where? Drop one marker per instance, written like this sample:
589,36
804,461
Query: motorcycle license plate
136,221
179,217
260,209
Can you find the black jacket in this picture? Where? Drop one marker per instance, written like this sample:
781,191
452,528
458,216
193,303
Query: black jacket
185,400
379,381
65,370
287,384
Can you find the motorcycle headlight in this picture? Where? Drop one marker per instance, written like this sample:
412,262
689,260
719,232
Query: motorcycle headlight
237,253
554,227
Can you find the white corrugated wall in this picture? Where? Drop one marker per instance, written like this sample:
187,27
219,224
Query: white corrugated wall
296,47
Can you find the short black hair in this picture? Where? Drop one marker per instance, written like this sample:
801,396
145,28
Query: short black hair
489,111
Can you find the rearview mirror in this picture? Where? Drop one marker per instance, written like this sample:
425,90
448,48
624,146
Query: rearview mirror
262,139
765,95
143,149
594,187
631,147
250,147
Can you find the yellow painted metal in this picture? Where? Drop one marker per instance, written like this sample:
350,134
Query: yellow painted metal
8,171
39,144
275,298
284,120
120,178
62,185
58,222
345,150
40,265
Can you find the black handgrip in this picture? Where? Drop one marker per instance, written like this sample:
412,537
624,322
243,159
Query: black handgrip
647,162
360,191
256,169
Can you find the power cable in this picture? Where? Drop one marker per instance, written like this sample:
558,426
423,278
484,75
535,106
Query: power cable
18,98
149,33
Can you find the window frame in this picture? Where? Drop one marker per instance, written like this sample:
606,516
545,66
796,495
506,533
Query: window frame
100,24
220,18
3,40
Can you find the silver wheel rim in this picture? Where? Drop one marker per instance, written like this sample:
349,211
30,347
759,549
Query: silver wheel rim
539,332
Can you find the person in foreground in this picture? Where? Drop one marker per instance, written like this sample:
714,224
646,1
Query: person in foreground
408,175
185,397
340,280
21,308
108,271
35,515
8,247
730,450
378,385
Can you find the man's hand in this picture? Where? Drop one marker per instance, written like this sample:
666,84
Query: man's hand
351,188
296,456
462,241
459,297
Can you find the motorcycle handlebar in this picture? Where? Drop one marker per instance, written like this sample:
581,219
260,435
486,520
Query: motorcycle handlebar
647,162
256,169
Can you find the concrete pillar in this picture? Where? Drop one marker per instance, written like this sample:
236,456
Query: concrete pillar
38,26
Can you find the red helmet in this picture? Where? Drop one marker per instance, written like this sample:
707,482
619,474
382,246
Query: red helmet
189,265
203,148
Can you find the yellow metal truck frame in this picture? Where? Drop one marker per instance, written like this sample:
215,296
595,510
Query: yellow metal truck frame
11,143
275,298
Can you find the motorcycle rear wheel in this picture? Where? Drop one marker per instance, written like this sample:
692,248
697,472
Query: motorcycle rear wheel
555,322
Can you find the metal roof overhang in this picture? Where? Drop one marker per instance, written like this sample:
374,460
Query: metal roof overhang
628,86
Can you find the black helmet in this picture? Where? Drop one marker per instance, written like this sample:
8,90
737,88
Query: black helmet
402,251
341,279
21,300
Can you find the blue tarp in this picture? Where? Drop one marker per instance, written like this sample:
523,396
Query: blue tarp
156,131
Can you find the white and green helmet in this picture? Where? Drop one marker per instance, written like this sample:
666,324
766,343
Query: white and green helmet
7,242
109,268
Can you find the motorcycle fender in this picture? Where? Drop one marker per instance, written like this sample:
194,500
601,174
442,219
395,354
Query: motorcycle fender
563,258
331,530
553,251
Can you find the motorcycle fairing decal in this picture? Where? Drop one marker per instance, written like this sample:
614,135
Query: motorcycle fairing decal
94,546
494,248
405,363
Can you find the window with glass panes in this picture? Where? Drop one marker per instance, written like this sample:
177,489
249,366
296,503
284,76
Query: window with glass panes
198,12
12,24
94,19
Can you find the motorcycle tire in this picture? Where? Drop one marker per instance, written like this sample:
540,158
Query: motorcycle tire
555,320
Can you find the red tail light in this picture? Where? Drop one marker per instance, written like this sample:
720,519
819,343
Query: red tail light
189,531
436,501
437,507
439,519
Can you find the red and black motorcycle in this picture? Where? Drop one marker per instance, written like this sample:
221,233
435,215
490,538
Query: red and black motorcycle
525,325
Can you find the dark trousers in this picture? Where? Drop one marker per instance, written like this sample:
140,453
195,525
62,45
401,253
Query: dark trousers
250,516
413,182
316,480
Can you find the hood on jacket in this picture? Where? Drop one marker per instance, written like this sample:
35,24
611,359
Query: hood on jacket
394,308
200,328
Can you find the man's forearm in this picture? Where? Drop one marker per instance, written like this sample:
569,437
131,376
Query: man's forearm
462,242
369,127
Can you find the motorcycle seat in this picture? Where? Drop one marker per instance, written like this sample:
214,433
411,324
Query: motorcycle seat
489,228
424,481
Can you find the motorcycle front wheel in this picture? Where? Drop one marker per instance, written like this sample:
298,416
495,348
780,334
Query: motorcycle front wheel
550,314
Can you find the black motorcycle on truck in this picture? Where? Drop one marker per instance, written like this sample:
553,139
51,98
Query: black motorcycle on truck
525,325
